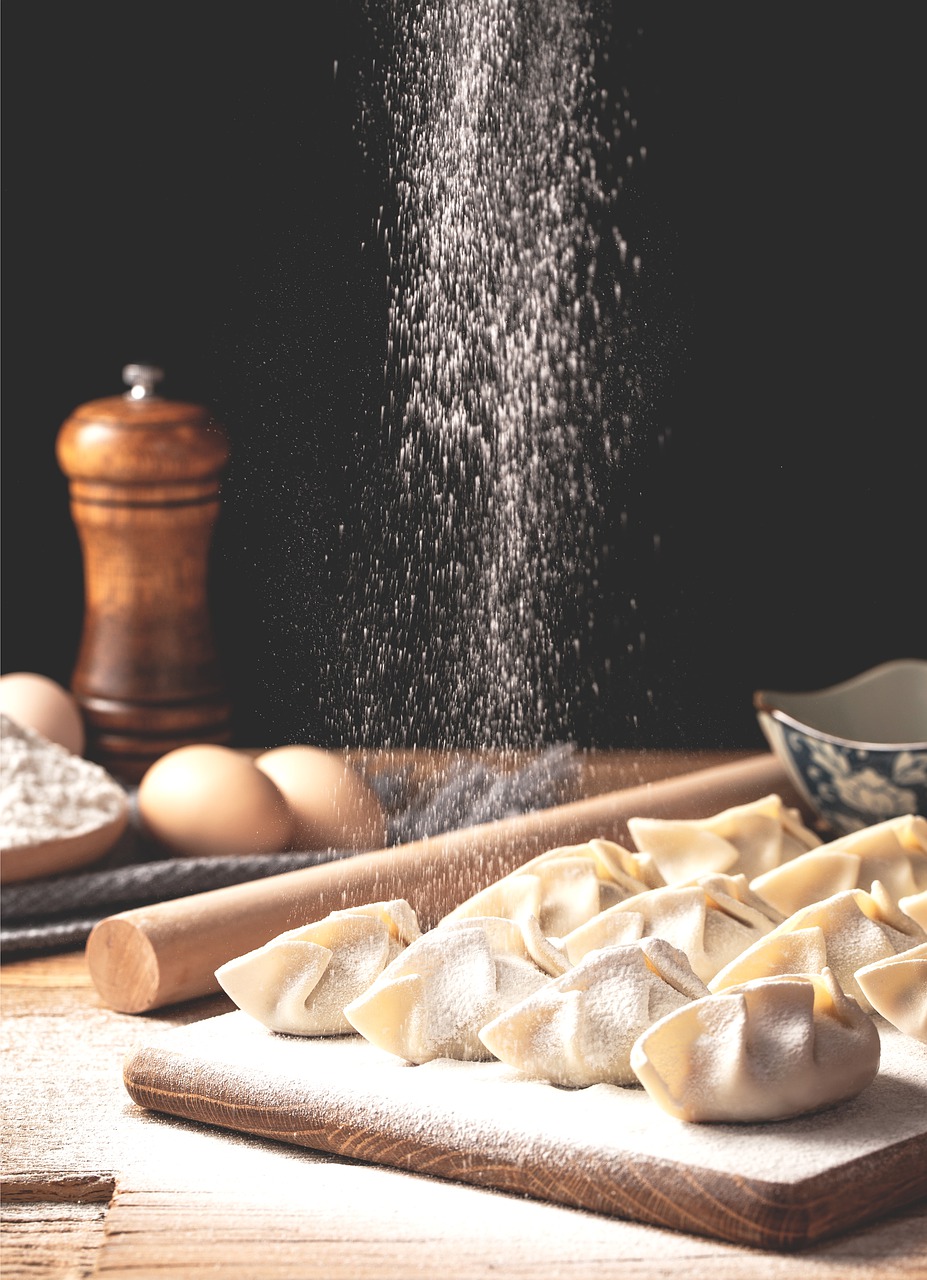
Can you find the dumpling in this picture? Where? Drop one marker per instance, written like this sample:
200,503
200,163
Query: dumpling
766,1050
894,852
812,877
896,987
563,887
711,921
915,906
300,981
578,1029
747,838
843,933
800,950
434,998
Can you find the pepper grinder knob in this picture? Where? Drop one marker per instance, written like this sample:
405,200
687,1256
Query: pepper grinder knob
141,379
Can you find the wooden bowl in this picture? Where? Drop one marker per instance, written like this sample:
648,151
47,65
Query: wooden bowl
66,853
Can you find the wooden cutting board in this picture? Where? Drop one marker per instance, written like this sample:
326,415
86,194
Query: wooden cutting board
606,1149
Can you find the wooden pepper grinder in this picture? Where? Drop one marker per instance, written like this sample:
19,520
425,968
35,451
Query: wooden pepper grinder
144,476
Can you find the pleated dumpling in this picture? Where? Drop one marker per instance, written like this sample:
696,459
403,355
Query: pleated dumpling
766,1050
578,1029
711,921
745,839
896,987
915,906
434,998
894,852
563,887
300,981
842,933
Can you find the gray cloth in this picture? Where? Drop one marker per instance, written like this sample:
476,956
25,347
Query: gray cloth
58,912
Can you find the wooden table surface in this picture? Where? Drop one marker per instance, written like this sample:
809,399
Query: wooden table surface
92,1186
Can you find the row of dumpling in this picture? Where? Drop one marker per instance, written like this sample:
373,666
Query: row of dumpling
664,966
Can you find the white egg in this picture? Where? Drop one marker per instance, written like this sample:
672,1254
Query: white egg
210,801
332,805
43,705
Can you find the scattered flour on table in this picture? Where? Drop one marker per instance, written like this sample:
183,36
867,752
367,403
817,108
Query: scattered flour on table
48,793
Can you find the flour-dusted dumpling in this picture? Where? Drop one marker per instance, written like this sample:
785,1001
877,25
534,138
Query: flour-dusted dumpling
842,932
578,1029
800,950
812,877
765,1050
746,839
711,921
894,852
896,987
915,906
300,981
563,887
434,998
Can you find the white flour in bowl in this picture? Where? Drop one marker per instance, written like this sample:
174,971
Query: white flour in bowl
47,793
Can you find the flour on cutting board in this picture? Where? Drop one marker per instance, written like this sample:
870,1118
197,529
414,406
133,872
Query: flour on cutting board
491,1108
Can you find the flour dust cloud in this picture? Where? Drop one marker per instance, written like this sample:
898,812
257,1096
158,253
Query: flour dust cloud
506,370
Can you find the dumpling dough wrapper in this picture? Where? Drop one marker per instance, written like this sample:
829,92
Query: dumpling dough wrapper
711,921
433,999
893,852
769,1049
578,1029
299,982
896,987
746,839
843,932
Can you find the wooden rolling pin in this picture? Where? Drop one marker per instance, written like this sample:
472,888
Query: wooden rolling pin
153,956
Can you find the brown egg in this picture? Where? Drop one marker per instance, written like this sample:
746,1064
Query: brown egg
210,801
41,704
332,806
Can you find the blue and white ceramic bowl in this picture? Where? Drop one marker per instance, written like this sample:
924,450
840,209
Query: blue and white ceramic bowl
856,751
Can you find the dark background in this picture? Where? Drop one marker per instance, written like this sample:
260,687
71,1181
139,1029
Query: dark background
185,184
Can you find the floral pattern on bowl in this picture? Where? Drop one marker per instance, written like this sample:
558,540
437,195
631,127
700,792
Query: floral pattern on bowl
856,751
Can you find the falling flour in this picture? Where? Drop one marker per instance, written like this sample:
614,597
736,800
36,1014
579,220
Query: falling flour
506,276
47,793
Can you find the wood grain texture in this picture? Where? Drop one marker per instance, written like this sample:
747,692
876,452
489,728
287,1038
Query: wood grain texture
315,1233
55,1241
605,1149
